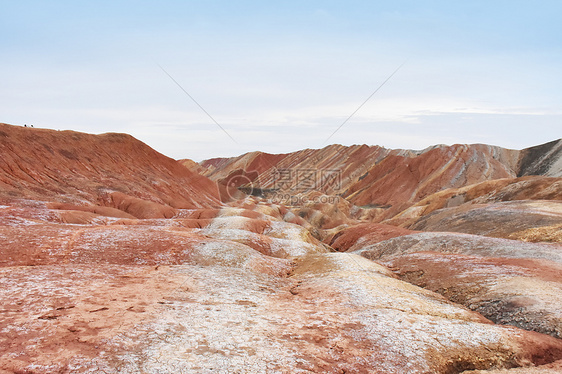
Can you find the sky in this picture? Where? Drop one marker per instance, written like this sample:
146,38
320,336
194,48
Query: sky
285,75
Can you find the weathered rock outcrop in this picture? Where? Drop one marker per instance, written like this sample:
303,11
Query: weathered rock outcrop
501,220
553,368
448,242
509,282
362,235
497,190
545,159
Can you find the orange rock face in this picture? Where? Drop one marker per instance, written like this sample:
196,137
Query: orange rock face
365,234
389,181
113,170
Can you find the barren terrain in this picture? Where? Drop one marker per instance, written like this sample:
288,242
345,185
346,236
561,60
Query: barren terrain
117,259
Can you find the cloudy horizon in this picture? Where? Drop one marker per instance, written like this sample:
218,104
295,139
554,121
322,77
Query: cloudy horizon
283,77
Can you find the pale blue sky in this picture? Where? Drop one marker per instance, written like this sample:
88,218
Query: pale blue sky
282,76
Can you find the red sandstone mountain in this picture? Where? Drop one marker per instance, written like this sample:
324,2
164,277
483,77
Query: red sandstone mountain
117,259
110,170
389,181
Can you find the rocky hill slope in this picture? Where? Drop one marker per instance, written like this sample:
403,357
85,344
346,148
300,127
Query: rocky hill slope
390,180
109,170
117,259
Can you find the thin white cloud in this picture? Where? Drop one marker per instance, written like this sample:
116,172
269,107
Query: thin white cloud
284,77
